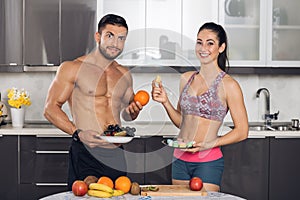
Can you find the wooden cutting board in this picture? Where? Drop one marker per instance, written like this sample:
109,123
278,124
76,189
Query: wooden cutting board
174,190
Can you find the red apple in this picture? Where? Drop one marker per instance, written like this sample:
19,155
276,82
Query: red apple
196,184
79,188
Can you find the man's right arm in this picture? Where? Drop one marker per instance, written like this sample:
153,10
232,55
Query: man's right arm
59,92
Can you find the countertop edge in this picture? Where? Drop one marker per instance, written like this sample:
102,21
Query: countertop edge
259,70
173,131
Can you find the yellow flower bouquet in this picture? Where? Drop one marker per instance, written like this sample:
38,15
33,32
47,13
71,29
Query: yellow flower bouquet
18,98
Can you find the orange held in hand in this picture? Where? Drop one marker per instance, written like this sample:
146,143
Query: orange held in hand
123,183
106,181
142,96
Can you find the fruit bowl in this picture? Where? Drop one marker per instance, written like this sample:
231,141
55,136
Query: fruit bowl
116,139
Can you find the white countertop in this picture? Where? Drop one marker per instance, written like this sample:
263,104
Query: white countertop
142,129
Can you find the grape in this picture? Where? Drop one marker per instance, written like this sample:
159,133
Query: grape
110,127
115,128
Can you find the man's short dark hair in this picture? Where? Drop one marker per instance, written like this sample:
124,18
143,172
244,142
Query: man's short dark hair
113,20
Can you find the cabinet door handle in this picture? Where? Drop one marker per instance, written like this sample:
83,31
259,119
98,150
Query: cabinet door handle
51,184
169,136
49,152
256,136
288,136
1,135
54,136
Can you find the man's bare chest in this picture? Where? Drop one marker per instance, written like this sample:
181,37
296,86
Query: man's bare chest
100,83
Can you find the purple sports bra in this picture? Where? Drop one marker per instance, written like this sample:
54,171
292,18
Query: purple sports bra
206,105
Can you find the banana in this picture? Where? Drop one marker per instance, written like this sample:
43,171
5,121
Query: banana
157,81
117,193
97,193
101,187
122,133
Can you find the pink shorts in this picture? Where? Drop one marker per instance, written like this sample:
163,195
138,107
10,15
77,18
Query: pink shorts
201,156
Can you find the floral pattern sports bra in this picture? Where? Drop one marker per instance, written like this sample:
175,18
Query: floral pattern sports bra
207,105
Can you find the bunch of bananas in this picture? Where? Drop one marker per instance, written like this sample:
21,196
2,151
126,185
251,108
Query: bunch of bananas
103,191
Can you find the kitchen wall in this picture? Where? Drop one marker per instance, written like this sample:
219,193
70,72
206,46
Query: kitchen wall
284,92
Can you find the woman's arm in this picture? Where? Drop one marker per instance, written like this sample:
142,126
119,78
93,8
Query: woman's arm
160,95
235,102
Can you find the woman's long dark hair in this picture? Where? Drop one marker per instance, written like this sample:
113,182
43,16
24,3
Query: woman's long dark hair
222,36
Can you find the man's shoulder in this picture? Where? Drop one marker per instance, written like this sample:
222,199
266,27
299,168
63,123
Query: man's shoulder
68,68
70,64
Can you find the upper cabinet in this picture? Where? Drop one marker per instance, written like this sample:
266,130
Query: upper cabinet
194,15
77,28
161,32
284,26
41,32
11,34
262,33
245,24
58,30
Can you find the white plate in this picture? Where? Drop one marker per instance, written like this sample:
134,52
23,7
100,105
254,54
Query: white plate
116,139
166,143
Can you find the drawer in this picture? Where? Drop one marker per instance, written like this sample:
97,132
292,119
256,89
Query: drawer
45,167
29,143
44,161
32,191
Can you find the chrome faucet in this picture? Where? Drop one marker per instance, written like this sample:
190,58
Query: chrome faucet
267,117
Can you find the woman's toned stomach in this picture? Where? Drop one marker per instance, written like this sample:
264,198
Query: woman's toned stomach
198,129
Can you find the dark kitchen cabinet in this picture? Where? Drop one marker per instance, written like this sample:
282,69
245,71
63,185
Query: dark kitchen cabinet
135,158
246,171
284,168
149,161
41,32
9,167
158,161
58,30
43,165
11,26
78,25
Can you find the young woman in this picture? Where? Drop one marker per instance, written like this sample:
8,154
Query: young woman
205,98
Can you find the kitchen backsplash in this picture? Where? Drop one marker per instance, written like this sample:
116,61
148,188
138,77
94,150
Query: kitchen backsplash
284,93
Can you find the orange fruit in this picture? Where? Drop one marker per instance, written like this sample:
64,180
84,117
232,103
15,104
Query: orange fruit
142,96
123,183
106,181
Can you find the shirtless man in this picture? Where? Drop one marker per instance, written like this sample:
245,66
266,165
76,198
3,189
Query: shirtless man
98,90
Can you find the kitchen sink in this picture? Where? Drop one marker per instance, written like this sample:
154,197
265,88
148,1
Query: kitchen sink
270,128
275,126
